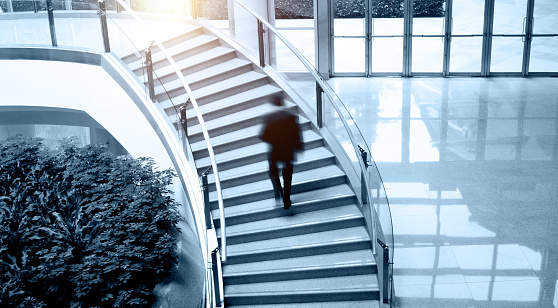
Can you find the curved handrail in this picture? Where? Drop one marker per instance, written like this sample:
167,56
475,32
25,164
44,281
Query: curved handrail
335,102
201,122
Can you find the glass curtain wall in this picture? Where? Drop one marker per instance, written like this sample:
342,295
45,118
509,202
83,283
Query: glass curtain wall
444,37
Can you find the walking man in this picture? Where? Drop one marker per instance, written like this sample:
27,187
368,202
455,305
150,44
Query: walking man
282,132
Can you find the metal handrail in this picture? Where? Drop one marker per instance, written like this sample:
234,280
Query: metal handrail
201,122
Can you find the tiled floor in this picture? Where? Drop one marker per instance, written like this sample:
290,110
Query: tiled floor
470,169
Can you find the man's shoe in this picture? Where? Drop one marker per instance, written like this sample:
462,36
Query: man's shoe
287,204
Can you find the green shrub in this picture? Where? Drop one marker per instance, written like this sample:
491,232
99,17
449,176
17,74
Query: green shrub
80,227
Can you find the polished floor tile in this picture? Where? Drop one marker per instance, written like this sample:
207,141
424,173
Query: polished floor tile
470,168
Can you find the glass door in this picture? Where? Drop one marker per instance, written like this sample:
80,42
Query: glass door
428,31
385,27
466,35
508,38
349,39
544,42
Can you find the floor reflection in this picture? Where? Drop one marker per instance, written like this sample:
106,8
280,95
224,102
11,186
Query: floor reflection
470,169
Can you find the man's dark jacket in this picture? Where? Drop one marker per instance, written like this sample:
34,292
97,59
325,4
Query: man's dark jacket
282,132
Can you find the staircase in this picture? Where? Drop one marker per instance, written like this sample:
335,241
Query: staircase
318,253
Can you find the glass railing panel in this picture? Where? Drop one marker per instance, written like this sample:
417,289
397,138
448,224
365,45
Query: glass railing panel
246,29
33,29
83,32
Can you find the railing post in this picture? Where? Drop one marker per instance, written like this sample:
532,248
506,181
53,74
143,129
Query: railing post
385,273
149,64
319,105
183,120
50,12
215,270
205,188
261,32
104,28
35,7
363,189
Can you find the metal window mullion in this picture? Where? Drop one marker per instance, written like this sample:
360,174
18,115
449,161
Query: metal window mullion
447,36
368,34
528,38
487,37
407,40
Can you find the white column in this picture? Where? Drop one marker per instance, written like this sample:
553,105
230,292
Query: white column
322,30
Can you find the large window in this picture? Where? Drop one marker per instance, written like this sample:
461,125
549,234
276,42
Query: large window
445,37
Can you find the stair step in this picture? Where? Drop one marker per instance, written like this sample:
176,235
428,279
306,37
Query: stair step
302,181
319,243
238,120
348,288
246,137
310,158
343,304
203,78
191,33
247,155
354,257
313,200
231,104
195,63
218,90
180,51
304,223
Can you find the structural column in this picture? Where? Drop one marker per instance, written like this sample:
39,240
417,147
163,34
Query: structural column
322,30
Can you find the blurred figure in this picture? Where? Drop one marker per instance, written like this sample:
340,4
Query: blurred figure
282,132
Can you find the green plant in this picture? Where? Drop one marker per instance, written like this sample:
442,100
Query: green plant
80,227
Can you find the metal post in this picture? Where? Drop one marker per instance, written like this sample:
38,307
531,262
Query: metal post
183,118
149,64
385,272
215,270
363,189
35,7
50,12
104,28
261,32
205,188
319,105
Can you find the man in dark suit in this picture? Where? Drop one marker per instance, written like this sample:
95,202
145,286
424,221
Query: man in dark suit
282,132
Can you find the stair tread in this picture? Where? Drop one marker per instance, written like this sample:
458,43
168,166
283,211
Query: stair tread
328,284
328,193
215,87
201,75
176,49
325,260
325,215
298,241
338,304
255,93
193,60
254,114
322,173
263,166
258,148
249,132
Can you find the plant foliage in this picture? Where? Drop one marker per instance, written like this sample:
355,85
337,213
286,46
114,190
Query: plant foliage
80,227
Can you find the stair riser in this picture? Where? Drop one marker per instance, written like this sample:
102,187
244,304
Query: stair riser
298,252
279,211
173,92
301,274
248,141
299,298
221,112
267,194
293,231
264,174
192,68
